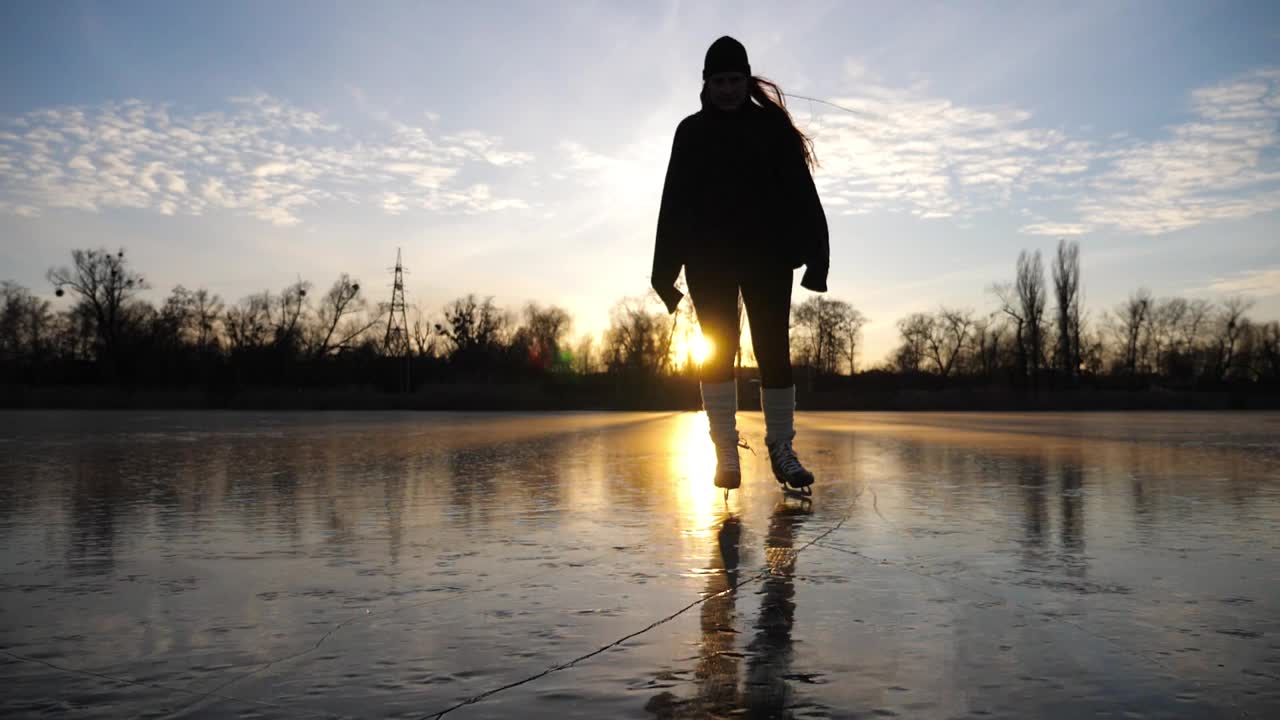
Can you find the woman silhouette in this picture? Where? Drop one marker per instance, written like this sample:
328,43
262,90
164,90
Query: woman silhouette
740,212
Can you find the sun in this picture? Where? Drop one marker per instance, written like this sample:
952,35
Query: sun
699,348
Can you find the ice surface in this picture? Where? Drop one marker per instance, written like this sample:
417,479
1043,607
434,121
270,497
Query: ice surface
398,565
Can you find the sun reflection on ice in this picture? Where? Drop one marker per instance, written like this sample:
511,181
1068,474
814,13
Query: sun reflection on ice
693,466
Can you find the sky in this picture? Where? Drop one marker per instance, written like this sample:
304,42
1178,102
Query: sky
517,149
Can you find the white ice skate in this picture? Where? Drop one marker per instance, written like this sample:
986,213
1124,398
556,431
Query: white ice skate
779,405
720,400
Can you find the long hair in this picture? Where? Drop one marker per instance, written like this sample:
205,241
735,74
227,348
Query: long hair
769,96
770,99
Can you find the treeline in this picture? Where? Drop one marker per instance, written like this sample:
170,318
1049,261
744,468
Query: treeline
1041,337
107,333
101,332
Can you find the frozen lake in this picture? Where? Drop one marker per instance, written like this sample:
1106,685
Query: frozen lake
582,566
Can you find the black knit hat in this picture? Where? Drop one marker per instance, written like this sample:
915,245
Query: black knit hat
725,55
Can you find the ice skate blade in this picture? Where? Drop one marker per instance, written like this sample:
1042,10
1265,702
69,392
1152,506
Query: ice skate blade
803,493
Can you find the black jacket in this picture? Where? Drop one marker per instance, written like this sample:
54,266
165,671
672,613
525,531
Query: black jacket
739,195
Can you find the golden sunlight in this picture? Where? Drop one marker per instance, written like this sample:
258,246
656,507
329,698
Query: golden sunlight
700,348
691,348
693,459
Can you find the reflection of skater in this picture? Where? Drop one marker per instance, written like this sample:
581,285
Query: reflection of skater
767,690
717,670
740,212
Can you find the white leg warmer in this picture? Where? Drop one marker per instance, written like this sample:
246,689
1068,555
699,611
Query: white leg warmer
720,400
779,405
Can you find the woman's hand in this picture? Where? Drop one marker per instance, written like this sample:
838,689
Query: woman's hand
814,279
671,297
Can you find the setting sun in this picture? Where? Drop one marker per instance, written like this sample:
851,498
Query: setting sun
699,349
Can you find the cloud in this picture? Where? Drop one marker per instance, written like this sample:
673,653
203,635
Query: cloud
1220,166
887,149
1257,283
488,149
1055,229
580,158
905,150
627,182
902,150
265,159
25,211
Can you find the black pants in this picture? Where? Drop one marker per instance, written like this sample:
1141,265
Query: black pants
767,297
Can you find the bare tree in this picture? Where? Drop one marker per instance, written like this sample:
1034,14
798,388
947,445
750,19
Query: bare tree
1093,351
77,335
914,330
1131,319
939,340
1163,333
987,335
584,355
425,341
207,310
1066,287
173,322
1023,303
639,336
949,338
248,323
105,284
854,322
471,325
543,333
26,323
190,318
1030,288
1267,365
821,332
1012,309
1193,323
342,302
290,306
1231,327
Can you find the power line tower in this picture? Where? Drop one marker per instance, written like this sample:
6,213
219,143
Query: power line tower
396,342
